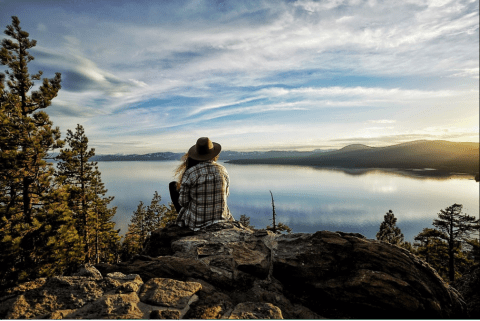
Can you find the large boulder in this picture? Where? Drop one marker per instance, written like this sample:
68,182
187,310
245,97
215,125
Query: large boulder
230,252
224,254
171,267
341,275
228,271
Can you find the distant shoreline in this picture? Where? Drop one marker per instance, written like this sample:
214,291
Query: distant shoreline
357,171
429,158
432,157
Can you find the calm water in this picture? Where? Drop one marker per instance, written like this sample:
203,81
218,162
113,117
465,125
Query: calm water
307,199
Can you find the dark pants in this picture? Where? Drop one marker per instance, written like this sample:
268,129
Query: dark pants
174,195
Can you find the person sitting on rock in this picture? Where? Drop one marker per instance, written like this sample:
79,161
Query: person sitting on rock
200,195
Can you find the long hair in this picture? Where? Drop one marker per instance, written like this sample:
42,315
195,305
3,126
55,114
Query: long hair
186,163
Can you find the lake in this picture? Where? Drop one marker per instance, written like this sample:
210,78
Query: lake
307,199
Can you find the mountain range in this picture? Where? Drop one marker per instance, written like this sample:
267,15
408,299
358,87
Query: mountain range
224,156
440,155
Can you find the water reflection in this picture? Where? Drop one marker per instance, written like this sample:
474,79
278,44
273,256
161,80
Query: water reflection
419,173
307,199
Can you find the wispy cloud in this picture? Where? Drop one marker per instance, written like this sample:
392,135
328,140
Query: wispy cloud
150,70
382,121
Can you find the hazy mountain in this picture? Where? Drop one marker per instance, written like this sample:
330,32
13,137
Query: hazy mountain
438,154
135,157
224,155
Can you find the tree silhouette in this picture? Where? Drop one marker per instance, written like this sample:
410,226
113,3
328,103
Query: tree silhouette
431,247
455,228
389,232
280,227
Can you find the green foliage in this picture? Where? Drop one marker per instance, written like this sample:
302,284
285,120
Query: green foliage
389,232
29,203
245,221
88,201
474,253
431,247
42,231
145,220
104,240
408,246
455,228
57,242
448,249
279,228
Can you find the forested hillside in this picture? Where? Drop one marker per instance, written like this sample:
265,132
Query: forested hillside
437,154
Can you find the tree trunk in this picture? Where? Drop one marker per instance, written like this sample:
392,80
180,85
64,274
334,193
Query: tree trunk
451,257
273,215
27,210
84,208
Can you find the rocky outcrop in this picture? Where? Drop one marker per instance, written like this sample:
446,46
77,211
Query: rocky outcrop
328,271
255,310
115,296
228,271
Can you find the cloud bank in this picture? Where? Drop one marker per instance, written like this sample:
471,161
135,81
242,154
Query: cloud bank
154,76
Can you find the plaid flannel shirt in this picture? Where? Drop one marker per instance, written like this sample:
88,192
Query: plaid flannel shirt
203,195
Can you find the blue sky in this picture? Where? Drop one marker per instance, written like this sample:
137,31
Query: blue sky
148,76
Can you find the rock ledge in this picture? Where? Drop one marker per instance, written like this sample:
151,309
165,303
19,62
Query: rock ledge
229,271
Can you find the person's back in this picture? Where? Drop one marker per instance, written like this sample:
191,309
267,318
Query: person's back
203,195
201,199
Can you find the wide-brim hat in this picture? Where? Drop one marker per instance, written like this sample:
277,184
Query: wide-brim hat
204,149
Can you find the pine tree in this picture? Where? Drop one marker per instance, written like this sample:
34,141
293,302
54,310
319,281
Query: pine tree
136,235
245,221
75,170
455,228
145,220
87,199
475,244
389,232
58,246
159,215
169,216
139,222
131,244
433,247
428,244
27,133
26,137
474,253
104,237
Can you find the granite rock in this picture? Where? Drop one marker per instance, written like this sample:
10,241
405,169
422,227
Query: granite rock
227,271
328,271
256,310
168,292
